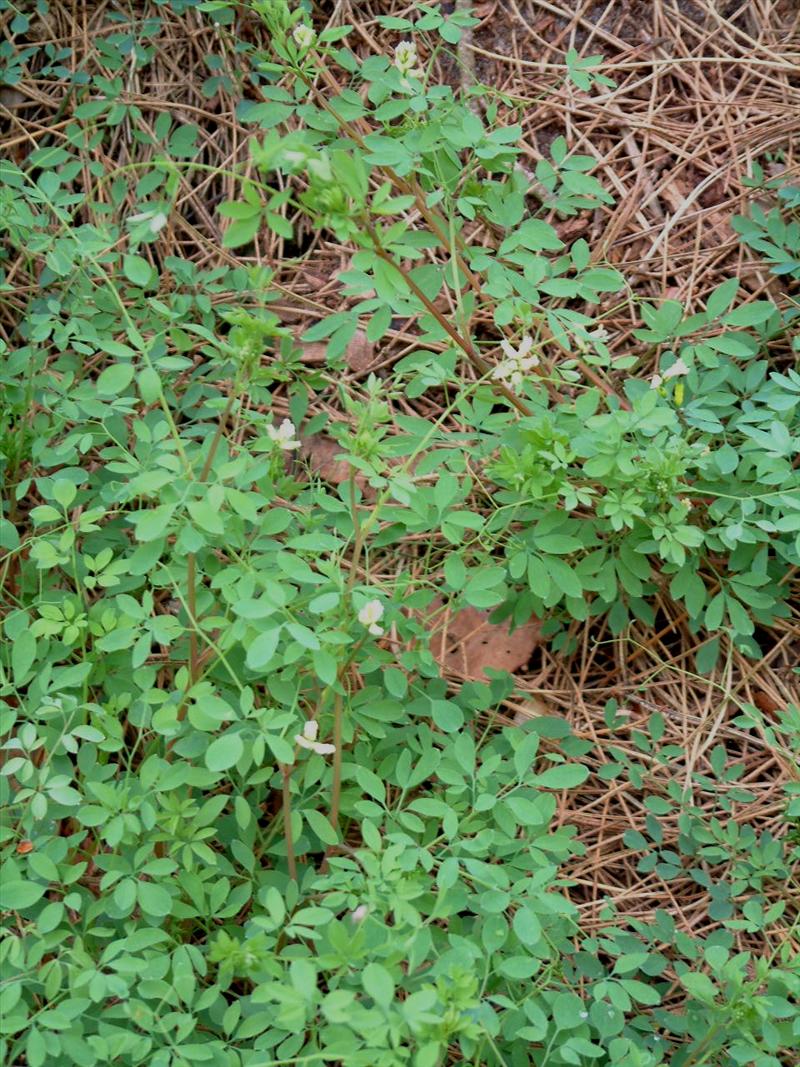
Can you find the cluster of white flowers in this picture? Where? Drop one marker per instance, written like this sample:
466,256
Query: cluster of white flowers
304,36
406,60
370,615
308,739
514,368
284,436
677,370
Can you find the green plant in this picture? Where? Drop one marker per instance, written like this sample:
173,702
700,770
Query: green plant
776,233
245,820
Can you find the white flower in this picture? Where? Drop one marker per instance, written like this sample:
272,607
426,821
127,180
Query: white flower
520,353
156,220
677,370
294,159
284,435
304,35
370,615
518,361
584,1014
359,914
593,337
406,59
308,739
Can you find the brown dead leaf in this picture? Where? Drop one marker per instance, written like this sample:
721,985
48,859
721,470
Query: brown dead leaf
766,703
320,452
466,643
314,352
359,356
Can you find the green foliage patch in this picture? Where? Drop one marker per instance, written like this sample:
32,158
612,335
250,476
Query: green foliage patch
245,820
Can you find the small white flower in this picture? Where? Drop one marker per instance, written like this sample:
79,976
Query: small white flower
304,35
308,739
359,914
584,1014
677,370
593,337
518,361
370,615
406,59
156,220
284,435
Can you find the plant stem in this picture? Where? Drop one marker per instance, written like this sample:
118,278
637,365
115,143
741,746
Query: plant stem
191,601
287,822
336,768
191,561
336,786
466,346
358,536
212,451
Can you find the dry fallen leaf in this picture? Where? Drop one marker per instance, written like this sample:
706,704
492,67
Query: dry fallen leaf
314,352
320,452
359,356
766,703
532,707
466,643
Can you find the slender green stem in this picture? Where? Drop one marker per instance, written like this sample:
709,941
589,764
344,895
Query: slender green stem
191,562
358,533
287,822
191,600
336,786
338,709
212,451
194,664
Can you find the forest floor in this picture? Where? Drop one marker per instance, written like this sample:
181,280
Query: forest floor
703,89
